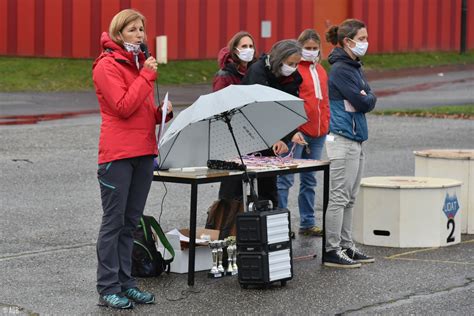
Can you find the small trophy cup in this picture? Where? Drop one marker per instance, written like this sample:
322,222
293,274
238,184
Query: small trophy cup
220,245
214,273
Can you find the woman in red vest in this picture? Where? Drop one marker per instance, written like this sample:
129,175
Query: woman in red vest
124,83
314,91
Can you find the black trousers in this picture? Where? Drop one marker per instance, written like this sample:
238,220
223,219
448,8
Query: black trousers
124,187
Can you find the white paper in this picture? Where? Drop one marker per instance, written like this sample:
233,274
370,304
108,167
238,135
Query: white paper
164,112
186,239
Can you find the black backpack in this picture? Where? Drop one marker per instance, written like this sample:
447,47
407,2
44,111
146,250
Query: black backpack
147,261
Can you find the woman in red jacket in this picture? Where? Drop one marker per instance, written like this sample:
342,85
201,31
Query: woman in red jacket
313,90
124,84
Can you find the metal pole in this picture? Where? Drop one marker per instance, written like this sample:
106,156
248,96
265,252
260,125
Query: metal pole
463,26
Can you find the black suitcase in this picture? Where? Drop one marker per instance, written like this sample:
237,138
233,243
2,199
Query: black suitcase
264,253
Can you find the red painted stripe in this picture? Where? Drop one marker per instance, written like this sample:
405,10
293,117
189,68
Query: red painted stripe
212,29
243,15
25,28
373,28
308,19
12,33
67,29
452,26
53,28
261,17
253,23
280,21
289,14
365,12
160,17
382,26
401,30
124,4
426,20
470,25
81,28
192,30
3,26
202,29
298,17
271,15
39,27
418,25
411,23
182,29
396,26
223,23
172,28
442,19
233,21
96,28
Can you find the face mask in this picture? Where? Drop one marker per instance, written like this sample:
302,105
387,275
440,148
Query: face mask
360,49
246,54
310,55
287,70
134,48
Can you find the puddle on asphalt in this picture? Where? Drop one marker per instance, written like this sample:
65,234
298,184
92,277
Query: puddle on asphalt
33,119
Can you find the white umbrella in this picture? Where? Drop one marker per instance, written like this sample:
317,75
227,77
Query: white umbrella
256,115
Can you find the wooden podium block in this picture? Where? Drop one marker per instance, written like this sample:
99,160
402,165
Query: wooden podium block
408,212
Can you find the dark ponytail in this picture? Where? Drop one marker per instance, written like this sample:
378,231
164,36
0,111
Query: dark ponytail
349,28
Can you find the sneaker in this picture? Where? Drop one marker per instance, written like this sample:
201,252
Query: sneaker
115,301
140,297
357,255
339,259
311,231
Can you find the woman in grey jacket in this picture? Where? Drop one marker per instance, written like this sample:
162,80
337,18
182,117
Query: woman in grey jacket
350,97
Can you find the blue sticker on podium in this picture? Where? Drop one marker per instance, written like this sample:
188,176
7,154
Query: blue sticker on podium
451,206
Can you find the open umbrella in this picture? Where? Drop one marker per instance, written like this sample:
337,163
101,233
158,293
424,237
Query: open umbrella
223,124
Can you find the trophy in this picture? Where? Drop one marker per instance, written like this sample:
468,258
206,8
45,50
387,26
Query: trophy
221,244
214,273
231,256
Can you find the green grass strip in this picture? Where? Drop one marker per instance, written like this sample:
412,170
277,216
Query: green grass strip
447,111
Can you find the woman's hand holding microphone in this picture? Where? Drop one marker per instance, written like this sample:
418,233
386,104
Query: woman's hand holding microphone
151,63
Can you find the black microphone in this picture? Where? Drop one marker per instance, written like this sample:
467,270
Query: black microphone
144,49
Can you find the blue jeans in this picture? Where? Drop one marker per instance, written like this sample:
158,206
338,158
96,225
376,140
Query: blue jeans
307,195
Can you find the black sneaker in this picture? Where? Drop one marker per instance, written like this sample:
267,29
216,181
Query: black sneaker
339,259
358,256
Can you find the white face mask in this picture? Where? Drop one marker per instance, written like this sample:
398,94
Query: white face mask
287,70
310,55
130,47
246,54
360,49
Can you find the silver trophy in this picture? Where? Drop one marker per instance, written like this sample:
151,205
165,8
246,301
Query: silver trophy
221,244
214,273
231,256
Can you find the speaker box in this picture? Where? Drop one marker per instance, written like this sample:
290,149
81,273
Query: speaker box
264,253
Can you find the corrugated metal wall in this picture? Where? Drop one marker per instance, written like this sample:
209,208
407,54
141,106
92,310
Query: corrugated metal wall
197,29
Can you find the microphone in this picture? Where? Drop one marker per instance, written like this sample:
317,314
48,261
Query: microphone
144,49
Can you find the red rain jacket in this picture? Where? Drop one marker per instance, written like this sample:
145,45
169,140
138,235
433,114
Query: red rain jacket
127,104
317,110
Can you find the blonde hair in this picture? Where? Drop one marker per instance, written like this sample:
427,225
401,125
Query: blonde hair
122,19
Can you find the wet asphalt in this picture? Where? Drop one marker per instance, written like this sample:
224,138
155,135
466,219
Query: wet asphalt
50,215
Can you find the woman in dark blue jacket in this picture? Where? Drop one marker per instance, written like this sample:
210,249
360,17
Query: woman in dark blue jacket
350,97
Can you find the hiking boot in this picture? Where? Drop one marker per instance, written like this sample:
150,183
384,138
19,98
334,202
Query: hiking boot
358,256
339,259
311,231
140,297
115,301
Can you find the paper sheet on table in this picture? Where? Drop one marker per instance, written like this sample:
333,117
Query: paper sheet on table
164,111
186,239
